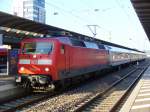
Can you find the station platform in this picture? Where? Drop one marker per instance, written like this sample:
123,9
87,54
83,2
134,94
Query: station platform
6,79
139,99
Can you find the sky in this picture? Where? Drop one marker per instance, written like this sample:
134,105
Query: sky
116,20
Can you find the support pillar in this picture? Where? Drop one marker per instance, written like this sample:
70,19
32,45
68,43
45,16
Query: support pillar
1,39
137,63
119,67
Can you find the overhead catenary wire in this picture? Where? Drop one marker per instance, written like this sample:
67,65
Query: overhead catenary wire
97,10
81,19
122,7
77,17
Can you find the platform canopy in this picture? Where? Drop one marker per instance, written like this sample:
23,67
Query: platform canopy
142,8
15,22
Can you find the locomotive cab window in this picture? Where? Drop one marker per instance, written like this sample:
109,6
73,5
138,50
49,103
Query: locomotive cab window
38,48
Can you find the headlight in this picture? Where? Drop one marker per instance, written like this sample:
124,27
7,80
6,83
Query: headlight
34,56
46,69
22,69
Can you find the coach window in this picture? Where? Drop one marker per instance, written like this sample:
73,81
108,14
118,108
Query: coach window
62,49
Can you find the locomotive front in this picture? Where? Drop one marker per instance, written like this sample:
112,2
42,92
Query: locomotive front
35,63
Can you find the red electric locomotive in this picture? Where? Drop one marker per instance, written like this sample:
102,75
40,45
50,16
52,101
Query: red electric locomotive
46,61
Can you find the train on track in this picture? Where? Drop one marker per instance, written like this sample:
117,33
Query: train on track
45,62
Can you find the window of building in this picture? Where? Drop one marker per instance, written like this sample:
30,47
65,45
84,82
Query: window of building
28,2
40,3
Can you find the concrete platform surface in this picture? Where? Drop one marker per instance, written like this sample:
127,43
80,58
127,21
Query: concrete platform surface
139,99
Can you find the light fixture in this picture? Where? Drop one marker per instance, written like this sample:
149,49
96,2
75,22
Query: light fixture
27,33
8,29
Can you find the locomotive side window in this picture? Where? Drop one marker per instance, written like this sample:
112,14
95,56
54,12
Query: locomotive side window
101,46
38,48
64,40
77,43
62,49
91,45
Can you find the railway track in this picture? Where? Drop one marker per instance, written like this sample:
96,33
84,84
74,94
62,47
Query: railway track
21,102
110,99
